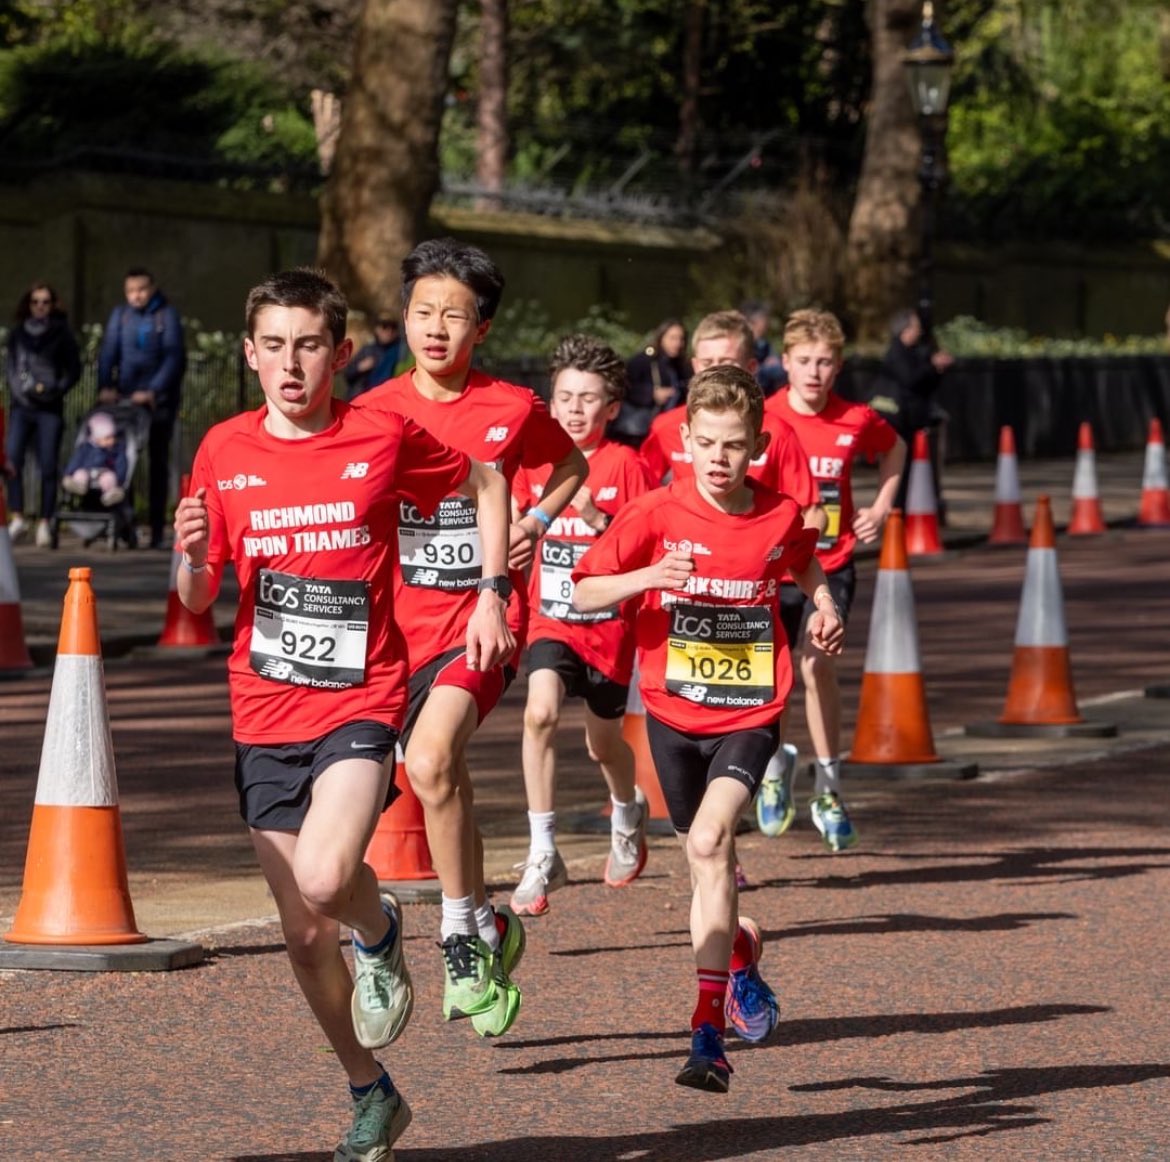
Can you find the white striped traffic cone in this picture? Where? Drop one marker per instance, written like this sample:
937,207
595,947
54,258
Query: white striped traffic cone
922,535
1008,525
892,736
1086,511
1040,698
1155,507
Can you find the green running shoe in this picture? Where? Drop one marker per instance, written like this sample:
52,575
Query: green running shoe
775,804
468,987
379,1119
497,1020
832,820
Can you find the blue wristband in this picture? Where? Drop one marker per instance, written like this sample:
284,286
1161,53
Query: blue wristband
540,515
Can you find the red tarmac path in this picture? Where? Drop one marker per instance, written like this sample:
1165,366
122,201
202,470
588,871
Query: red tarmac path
985,978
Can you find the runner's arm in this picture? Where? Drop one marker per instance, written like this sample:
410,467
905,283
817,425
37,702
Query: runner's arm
197,582
489,640
826,630
601,591
567,476
867,522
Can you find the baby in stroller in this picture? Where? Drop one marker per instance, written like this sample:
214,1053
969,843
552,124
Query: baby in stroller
99,461
96,482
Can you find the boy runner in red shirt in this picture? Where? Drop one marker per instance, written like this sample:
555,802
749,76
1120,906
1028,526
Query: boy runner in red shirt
721,338
706,556
302,497
587,655
450,294
833,433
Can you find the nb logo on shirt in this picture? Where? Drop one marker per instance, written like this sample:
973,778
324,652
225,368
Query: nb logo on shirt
774,553
845,440
693,692
609,493
276,669
426,577
496,435
355,470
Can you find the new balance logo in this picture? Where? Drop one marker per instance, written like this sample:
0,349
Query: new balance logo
693,692
426,576
355,470
276,669
496,435
774,553
609,493
845,440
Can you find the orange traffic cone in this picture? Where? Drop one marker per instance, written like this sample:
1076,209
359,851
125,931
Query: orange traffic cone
892,736
1040,698
398,850
75,887
1086,512
182,628
1155,506
75,910
922,537
1008,526
14,655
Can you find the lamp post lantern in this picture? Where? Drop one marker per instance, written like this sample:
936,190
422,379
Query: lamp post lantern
928,63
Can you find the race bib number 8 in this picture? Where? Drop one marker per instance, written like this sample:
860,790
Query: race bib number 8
308,631
557,561
440,551
721,655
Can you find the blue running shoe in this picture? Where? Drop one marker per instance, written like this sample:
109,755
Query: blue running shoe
832,821
751,1006
775,805
707,1066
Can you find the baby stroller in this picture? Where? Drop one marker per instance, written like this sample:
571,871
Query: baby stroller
86,514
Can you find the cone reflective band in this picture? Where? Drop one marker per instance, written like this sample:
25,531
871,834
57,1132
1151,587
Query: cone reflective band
1155,505
922,536
1040,699
892,736
14,655
1086,508
1008,524
75,886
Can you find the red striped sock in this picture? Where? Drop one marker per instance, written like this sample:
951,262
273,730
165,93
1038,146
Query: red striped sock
709,1008
743,951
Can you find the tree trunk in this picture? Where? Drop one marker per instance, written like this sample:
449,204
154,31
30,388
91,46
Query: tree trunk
491,117
692,79
884,230
386,166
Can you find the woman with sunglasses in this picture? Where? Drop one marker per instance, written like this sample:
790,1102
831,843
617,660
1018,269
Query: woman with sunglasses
43,364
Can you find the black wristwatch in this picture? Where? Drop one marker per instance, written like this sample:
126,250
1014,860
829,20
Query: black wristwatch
501,586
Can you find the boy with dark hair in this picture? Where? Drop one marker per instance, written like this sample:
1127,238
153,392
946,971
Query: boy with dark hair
302,497
706,556
833,433
586,655
450,292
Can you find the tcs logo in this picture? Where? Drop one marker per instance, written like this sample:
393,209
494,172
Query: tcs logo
273,592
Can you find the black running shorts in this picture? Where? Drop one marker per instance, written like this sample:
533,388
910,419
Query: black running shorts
604,697
795,608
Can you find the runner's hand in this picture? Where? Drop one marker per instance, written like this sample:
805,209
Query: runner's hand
867,523
191,527
671,571
489,640
521,546
826,631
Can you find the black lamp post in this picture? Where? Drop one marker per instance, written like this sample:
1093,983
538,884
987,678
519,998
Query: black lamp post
928,62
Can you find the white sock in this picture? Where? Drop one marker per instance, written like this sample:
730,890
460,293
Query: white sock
458,917
625,815
828,775
542,827
485,921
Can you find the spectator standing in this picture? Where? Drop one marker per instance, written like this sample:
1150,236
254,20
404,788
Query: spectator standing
911,374
658,379
770,373
142,359
376,362
43,365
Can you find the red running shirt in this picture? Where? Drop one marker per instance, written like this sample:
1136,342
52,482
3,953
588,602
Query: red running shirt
832,440
712,659
440,563
309,525
783,467
605,640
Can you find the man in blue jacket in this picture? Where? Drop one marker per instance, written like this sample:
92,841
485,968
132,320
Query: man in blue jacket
142,360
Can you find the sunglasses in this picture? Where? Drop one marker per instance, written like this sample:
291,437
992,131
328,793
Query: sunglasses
41,301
